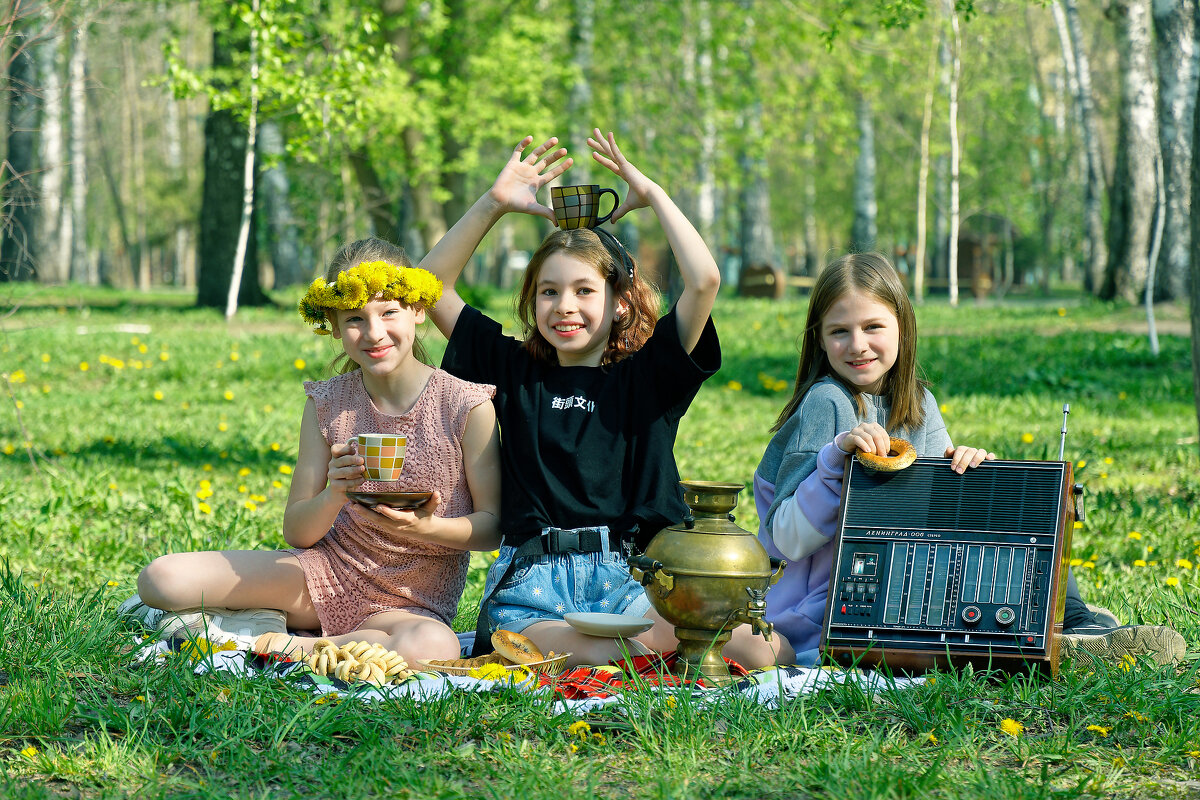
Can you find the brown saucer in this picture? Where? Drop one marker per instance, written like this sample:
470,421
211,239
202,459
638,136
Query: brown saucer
403,501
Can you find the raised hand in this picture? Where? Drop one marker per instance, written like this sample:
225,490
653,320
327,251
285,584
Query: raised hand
517,185
607,154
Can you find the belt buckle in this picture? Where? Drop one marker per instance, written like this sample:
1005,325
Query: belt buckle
561,541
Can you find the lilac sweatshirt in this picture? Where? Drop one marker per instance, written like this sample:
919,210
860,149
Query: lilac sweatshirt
797,492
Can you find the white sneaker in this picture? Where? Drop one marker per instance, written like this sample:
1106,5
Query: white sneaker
220,625
146,616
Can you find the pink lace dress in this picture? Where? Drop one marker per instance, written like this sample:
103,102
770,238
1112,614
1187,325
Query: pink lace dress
358,569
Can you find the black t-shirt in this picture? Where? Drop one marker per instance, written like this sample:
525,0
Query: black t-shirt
584,446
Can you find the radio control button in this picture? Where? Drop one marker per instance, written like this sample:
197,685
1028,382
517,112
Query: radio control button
1005,616
971,615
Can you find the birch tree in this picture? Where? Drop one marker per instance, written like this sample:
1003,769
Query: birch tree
18,173
1134,192
865,231
1175,28
54,265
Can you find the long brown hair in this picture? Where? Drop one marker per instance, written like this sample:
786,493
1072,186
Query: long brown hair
630,330
349,256
873,275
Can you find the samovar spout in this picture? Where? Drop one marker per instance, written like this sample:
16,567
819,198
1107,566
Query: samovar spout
754,614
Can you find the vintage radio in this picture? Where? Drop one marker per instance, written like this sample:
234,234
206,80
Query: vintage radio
935,568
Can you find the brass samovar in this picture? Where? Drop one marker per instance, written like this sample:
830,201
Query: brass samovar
706,577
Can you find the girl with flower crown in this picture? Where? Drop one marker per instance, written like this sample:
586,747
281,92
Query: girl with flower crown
589,402
381,575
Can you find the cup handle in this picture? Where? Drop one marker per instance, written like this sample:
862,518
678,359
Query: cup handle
616,202
353,442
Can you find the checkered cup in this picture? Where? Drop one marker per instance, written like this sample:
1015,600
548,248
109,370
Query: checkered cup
579,206
384,454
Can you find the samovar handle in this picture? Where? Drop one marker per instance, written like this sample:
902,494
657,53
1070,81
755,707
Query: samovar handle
646,570
777,565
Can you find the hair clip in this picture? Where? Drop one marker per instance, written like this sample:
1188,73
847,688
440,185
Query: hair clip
615,249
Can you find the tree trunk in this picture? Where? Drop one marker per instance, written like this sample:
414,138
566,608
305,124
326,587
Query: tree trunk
955,72
812,258
581,40
119,273
453,59
1194,288
82,270
866,210
1133,196
221,205
1175,25
248,169
20,179
183,267
941,172
429,219
140,254
383,220
1096,245
55,266
277,205
918,267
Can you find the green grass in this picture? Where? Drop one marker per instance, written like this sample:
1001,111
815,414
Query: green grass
98,475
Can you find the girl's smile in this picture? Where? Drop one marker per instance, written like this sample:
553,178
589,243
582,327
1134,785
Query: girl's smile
379,334
861,339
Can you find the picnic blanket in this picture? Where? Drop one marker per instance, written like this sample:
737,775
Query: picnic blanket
578,691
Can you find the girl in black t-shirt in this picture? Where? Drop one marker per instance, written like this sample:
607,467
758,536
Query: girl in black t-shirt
588,399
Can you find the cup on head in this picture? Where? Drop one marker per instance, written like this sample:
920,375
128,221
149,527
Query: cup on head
579,206
384,454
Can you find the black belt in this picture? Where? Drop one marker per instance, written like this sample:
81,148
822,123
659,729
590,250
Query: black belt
551,541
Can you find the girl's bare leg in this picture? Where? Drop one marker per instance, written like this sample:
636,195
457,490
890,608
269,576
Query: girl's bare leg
560,637
230,579
413,636
755,652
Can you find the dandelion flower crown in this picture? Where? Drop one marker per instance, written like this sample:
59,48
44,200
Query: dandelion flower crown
354,287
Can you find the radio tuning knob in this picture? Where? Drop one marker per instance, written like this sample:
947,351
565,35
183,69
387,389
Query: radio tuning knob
1005,616
971,615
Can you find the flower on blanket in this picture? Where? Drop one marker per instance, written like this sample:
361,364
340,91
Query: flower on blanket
498,672
201,647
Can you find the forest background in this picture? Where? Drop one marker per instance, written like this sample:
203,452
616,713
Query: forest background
1001,146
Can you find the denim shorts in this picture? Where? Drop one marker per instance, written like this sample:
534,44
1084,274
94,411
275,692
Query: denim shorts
546,587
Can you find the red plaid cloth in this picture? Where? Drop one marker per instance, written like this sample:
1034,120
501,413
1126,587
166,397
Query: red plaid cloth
649,670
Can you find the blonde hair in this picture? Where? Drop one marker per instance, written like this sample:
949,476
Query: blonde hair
873,275
630,330
349,256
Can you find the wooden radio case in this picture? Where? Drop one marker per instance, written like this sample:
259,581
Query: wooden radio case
936,569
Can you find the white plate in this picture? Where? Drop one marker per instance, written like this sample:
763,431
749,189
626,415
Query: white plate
608,625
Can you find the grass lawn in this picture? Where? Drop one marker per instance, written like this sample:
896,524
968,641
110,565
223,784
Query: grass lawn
135,425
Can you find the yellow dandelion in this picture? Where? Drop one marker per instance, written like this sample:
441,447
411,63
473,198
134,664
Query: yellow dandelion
1075,562
228,395
1103,476
1077,525
17,376
234,356
1193,753
140,698
207,468
1062,312
1012,727
734,386
206,484
579,728
258,498
1172,581
249,505
943,408
1133,535
204,494
1121,395
599,737
1127,662
158,395
1139,562
141,348
299,363
83,366
111,584
45,358
164,356
204,508
29,752
243,472
222,426
242,488
1081,463
268,408
185,405
274,446
1027,438
45,388
1089,565
929,737
277,484
112,486
572,748
285,469
19,404
1183,563
9,448
1100,729
1108,460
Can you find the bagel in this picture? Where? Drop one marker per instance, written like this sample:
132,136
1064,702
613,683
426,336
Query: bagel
516,648
900,455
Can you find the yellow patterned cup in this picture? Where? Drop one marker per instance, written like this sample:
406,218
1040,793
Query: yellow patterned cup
384,454
579,206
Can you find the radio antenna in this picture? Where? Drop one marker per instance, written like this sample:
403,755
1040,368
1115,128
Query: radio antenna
1062,442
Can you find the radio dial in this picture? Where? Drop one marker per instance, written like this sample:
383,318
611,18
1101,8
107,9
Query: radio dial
1005,616
971,615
